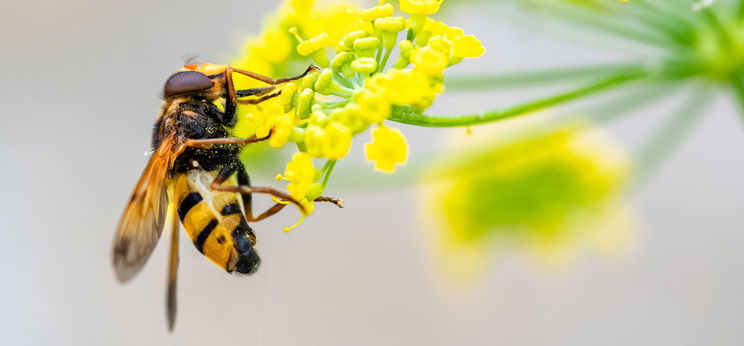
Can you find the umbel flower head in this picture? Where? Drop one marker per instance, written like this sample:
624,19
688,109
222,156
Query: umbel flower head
357,86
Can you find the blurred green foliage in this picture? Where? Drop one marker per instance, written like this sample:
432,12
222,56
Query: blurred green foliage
537,190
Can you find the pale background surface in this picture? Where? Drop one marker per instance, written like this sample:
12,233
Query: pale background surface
80,85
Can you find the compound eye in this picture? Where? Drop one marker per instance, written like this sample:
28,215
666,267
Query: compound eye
186,82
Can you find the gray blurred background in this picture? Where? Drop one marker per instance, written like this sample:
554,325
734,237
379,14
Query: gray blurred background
80,88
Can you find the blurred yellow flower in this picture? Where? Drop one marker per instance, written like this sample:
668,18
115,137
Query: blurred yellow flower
545,193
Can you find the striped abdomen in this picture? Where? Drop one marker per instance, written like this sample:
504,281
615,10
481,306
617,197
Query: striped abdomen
215,222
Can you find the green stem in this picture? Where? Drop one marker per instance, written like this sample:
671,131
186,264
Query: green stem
328,168
670,134
343,81
384,60
714,22
573,14
325,166
532,77
664,22
411,116
738,84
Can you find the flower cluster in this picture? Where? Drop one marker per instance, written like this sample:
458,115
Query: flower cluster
355,88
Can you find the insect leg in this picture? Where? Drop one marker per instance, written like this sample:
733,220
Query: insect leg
229,170
254,91
244,179
206,142
231,97
265,79
260,99
171,302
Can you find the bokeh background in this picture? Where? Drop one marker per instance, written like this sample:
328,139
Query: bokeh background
80,88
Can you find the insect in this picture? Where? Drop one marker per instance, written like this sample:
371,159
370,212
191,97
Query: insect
195,164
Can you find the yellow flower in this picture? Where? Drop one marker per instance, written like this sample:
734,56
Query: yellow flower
388,149
283,126
336,141
351,117
468,46
308,206
429,60
372,106
404,87
435,27
300,173
391,24
364,65
336,20
314,47
261,119
314,140
286,98
441,44
420,6
273,45
380,11
311,45
304,103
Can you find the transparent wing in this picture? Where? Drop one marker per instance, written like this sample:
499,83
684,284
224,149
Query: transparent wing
142,222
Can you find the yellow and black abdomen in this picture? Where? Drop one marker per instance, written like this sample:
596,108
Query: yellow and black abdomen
215,222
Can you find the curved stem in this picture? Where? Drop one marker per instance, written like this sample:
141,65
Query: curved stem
411,116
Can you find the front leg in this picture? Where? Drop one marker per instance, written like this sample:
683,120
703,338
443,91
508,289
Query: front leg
231,95
207,142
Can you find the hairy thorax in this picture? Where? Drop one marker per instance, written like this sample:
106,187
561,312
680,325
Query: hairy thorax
190,118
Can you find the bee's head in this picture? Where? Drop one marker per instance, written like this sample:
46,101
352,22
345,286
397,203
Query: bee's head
248,259
186,82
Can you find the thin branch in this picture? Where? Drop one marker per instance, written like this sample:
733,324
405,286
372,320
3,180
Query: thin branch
411,116
651,156
573,14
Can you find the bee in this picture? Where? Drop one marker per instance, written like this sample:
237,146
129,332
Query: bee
195,164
